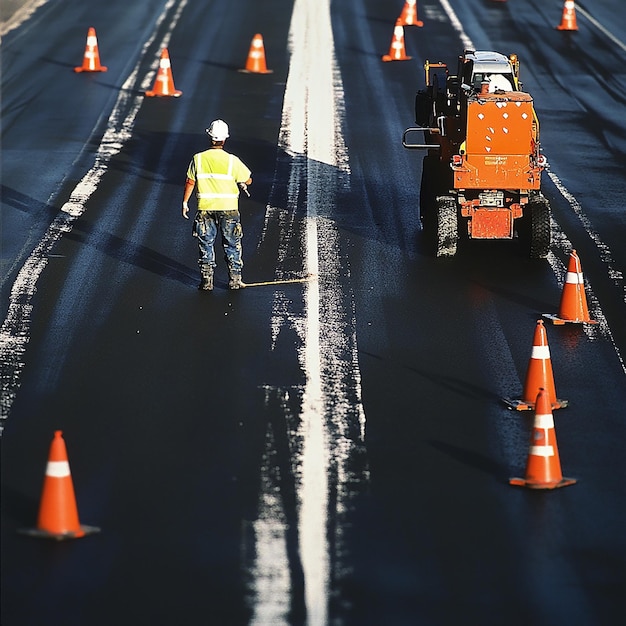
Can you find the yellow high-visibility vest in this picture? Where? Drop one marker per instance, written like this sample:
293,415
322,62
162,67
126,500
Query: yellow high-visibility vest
216,173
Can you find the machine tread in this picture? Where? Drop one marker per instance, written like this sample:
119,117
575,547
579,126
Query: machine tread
447,226
540,232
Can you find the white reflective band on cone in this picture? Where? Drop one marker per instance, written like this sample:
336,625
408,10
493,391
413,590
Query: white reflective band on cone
575,278
540,352
58,469
544,420
541,450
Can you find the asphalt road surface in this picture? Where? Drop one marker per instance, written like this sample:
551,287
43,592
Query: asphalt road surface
333,449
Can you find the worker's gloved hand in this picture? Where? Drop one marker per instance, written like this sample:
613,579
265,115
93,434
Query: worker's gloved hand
185,210
244,188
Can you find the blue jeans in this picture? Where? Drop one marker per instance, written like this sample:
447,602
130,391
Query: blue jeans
206,225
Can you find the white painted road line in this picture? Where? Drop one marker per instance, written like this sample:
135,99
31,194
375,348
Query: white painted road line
15,330
19,15
331,399
620,44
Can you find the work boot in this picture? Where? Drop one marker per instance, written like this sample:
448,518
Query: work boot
206,281
235,281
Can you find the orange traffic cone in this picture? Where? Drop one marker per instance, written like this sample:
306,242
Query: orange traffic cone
58,515
408,17
543,466
538,375
91,58
397,51
568,19
255,64
573,307
164,83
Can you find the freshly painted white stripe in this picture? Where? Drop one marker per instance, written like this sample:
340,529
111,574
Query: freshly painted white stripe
58,469
545,451
456,24
309,40
544,420
540,352
15,330
311,135
313,514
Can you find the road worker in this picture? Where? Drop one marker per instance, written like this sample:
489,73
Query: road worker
218,177
498,82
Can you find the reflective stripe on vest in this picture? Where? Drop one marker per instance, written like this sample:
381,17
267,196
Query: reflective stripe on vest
216,176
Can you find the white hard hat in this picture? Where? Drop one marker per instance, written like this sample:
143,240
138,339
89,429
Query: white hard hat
218,131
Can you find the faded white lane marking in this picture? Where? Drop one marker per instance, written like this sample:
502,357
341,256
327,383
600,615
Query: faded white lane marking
15,330
604,252
20,16
270,571
602,29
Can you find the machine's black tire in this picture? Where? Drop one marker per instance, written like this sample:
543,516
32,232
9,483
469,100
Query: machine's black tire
423,107
447,226
538,211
